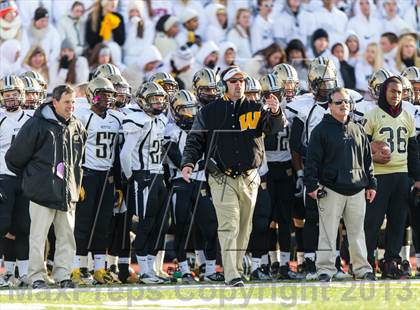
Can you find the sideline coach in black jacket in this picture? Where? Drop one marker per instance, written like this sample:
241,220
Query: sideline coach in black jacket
339,173
47,153
230,132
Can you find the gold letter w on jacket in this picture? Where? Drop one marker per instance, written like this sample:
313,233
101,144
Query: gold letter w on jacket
249,120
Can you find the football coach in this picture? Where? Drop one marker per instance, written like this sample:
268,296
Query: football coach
230,131
47,153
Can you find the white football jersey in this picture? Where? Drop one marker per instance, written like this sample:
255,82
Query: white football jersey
144,136
10,124
178,136
306,109
103,134
360,110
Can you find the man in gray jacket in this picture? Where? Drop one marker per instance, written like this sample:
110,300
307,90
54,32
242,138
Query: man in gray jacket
47,153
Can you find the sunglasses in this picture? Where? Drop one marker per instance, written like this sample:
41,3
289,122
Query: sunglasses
339,102
234,80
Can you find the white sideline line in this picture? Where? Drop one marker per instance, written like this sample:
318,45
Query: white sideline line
121,289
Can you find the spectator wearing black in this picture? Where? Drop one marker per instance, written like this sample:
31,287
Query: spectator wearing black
105,24
47,153
339,164
340,51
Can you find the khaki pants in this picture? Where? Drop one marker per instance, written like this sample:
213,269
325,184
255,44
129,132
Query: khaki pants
234,202
65,247
352,209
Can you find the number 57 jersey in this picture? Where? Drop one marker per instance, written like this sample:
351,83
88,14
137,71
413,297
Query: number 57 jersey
142,148
102,142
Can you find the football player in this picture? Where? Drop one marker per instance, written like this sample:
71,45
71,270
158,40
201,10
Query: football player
96,203
33,94
14,207
141,161
205,86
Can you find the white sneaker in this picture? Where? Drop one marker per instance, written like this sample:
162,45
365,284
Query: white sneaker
341,275
22,281
149,278
311,276
6,280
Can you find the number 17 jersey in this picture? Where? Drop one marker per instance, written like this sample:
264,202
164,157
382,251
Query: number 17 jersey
395,131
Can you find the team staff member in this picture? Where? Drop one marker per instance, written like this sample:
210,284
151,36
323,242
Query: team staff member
390,123
339,160
47,153
230,132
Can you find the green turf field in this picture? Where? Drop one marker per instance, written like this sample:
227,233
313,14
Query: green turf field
338,295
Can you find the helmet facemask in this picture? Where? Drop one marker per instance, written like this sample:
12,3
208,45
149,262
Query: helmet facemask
103,99
12,100
122,97
322,89
206,95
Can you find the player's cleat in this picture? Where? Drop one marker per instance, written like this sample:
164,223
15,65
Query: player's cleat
67,284
5,280
215,277
81,276
390,270
324,278
275,270
310,270
39,284
340,274
149,278
101,276
405,268
260,274
113,272
188,278
237,282
23,281
285,273
369,276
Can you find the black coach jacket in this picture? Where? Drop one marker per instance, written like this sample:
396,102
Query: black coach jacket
232,134
40,146
339,157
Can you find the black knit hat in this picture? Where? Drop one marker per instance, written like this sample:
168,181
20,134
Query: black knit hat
40,13
319,33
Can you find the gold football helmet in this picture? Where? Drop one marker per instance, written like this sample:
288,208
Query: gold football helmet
122,89
41,81
408,94
412,74
100,92
184,108
205,85
167,82
252,88
12,92
288,75
321,60
270,84
152,98
33,93
322,79
375,81
106,70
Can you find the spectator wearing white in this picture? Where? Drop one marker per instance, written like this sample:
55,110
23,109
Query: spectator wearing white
159,8
188,34
167,29
407,54
389,45
262,27
178,6
341,53
265,60
10,55
296,56
365,24
239,35
147,63
217,23
180,65
372,61
296,23
227,56
10,22
59,9
207,56
41,32
233,6
28,8
71,26
392,22
68,68
140,33
36,60
352,42
332,20
101,54
412,17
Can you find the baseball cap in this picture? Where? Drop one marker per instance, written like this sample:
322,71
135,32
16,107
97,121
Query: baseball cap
231,72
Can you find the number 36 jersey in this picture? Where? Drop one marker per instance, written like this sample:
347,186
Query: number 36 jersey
395,131
103,135
142,148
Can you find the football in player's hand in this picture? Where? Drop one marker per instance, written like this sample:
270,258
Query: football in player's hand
381,152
